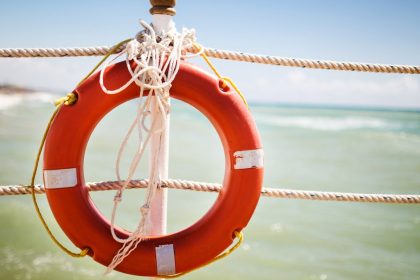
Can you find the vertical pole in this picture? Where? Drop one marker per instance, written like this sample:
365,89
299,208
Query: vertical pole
162,12
158,205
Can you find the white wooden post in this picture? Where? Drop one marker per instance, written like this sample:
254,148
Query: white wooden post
162,12
159,203
161,23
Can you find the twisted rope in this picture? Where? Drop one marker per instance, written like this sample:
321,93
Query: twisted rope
224,54
212,187
57,52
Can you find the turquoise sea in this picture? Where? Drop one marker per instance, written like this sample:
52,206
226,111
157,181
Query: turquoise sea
310,148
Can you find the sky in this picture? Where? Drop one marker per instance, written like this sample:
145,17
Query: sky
361,31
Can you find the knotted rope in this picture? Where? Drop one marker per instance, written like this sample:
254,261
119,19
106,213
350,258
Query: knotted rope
157,59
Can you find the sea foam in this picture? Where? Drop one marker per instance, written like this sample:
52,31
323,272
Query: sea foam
327,123
8,101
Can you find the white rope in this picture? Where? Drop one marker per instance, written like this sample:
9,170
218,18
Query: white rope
225,54
213,187
156,58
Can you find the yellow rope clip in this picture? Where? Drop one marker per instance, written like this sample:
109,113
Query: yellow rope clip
238,235
67,100
217,73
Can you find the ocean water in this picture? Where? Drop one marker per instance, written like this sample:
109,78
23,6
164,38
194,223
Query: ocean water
327,149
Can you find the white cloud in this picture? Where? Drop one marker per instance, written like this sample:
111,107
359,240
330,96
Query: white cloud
316,86
44,73
301,81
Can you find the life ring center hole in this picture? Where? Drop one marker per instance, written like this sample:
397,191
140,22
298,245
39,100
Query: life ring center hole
195,154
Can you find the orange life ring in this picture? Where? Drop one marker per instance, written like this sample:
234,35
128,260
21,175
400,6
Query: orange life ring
190,248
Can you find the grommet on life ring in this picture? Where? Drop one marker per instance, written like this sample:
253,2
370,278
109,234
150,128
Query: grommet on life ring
174,253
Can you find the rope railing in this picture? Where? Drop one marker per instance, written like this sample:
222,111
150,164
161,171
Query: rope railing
212,187
224,54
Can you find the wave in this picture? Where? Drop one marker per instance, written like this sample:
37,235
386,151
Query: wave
327,123
8,101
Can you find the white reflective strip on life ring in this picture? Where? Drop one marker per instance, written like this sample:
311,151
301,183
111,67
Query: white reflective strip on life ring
165,259
60,178
249,159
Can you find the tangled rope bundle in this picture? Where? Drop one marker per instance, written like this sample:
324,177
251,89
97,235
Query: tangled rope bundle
157,59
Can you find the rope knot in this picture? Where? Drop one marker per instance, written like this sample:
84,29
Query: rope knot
67,100
118,196
71,98
144,210
132,49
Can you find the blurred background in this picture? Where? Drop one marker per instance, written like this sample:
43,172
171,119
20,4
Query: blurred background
321,130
